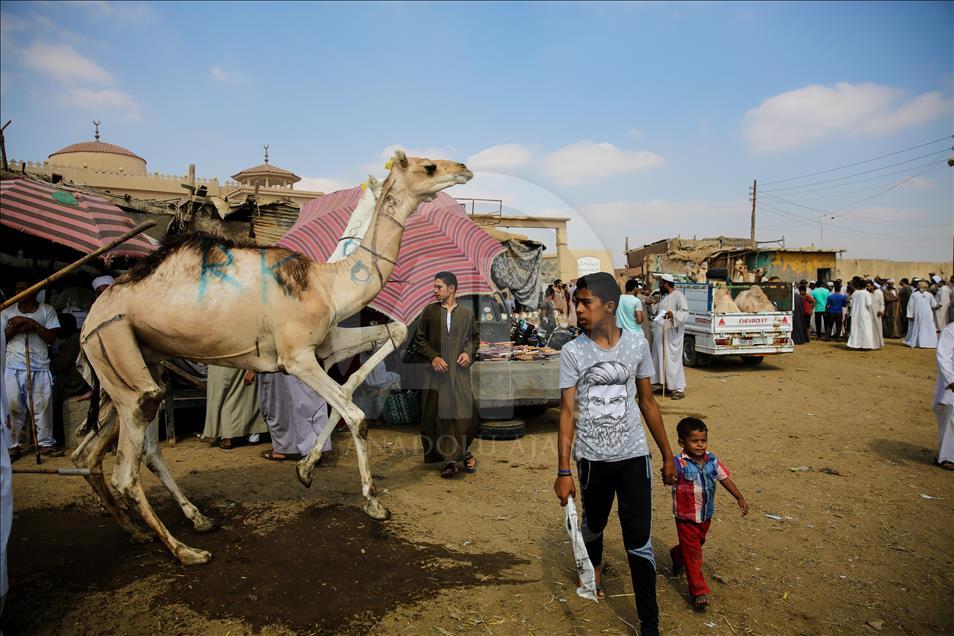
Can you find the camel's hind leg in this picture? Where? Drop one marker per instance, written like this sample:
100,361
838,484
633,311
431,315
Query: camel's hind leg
307,369
89,454
114,353
343,343
126,477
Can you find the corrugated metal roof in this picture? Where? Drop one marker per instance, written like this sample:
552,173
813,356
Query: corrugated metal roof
273,222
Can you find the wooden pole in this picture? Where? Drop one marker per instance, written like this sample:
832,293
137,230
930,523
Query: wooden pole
78,472
3,145
142,227
29,372
664,347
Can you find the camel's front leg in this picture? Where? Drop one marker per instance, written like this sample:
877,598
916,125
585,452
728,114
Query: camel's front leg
157,465
307,369
392,335
154,460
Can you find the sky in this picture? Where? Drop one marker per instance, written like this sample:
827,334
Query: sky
638,121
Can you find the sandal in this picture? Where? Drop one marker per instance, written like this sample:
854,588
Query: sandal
275,456
52,451
470,464
449,471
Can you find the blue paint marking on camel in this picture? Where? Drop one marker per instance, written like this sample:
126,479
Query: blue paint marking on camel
270,272
216,270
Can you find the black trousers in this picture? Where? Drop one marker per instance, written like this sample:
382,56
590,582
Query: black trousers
630,481
834,324
819,324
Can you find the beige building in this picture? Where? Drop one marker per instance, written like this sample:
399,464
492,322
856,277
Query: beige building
119,171
848,267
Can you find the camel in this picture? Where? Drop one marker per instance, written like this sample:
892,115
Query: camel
722,302
742,274
753,300
698,271
281,309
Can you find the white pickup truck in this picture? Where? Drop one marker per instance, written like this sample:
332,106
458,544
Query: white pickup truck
749,335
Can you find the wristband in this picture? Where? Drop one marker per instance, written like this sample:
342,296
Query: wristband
564,473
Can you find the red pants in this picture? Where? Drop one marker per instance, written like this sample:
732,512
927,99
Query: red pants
688,553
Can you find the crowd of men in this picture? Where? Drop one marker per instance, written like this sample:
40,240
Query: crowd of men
866,310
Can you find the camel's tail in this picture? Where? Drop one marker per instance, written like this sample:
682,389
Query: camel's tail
92,415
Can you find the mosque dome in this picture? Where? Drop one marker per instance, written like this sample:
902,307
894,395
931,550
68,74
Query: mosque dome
267,175
99,155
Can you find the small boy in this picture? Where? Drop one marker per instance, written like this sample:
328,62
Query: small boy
693,503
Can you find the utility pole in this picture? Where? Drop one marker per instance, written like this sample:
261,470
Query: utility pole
755,185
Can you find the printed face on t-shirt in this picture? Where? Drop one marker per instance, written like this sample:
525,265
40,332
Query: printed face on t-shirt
607,402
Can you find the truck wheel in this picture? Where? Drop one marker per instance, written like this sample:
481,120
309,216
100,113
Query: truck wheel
689,355
506,429
752,361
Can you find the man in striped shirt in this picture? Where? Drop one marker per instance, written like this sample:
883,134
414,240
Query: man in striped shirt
693,503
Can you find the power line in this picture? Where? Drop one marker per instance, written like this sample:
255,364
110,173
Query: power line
819,222
851,165
933,162
894,185
864,172
847,193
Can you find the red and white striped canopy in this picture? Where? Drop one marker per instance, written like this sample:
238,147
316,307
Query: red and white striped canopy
438,237
67,216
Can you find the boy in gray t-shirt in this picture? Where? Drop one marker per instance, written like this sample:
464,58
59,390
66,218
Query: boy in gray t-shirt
608,423
606,394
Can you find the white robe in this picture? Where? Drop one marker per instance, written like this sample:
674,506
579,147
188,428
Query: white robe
944,397
6,480
877,305
675,330
862,326
921,331
942,313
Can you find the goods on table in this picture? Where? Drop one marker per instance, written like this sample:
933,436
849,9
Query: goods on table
510,351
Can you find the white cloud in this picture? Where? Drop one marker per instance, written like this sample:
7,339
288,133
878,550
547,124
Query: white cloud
96,99
10,23
586,162
815,112
226,76
917,183
126,11
500,158
376,167
64,64
644,222
322,184
433,152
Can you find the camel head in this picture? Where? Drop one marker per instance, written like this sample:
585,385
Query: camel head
423,178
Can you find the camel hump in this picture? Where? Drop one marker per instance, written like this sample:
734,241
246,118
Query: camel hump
201,243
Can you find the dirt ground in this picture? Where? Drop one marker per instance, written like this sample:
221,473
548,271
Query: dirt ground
863,544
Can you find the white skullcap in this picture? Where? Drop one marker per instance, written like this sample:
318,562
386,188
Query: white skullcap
668,278
890,280
99,281
831,284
